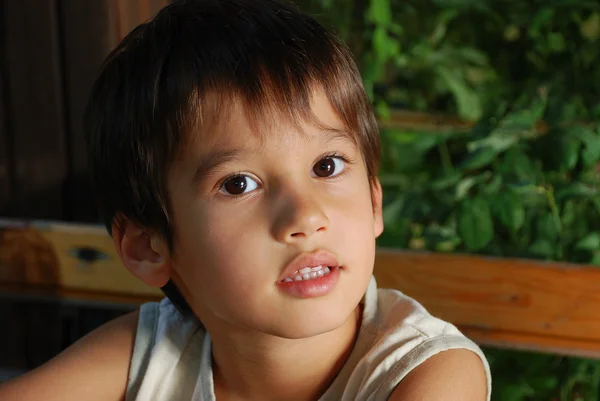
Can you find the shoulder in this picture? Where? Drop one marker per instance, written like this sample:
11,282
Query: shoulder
454,375
94,368
167,354
407,345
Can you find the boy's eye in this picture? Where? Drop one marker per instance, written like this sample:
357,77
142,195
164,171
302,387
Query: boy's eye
328,167
238,185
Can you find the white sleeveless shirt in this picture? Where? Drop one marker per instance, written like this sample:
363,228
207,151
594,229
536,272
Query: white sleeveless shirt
172,354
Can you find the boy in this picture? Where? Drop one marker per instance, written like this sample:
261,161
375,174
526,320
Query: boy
235,154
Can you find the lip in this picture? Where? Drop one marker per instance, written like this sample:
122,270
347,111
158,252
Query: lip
313,259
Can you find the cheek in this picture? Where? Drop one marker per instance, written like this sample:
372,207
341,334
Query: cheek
220,251
352,218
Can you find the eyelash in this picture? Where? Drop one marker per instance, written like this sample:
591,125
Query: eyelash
347,161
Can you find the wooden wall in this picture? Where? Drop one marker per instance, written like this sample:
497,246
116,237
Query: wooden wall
50,54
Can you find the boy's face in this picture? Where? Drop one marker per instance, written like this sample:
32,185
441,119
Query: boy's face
270,199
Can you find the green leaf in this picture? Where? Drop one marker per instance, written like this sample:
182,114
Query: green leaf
463,187
557,43
595,259
469,105
380,38
493,186
541,19
479,158
475,225
576,190
596,202
569,213
590,242
508,209
515,163
445,181
383,110
525,118
546,228
512,33
569,154
543,248
380,12
391,211
448,245
590,28
591,142
497,140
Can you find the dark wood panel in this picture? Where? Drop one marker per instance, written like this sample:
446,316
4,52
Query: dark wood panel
5,170
90,29
87,40
129,14
13,352
35,101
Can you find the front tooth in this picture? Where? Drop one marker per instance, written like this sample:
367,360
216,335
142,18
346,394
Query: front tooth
305,270
298,278
306,276
316,269
320,273
313,275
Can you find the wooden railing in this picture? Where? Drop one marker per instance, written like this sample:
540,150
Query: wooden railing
519,304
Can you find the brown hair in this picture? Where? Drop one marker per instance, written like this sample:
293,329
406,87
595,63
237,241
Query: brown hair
155,85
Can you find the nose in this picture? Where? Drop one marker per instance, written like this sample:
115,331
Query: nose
299,215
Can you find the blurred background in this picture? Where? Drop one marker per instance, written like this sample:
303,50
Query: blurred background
490,119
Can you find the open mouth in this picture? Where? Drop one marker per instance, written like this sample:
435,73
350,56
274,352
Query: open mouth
310,273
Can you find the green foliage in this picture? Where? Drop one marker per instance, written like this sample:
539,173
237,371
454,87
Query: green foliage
520,376
506,187
503,189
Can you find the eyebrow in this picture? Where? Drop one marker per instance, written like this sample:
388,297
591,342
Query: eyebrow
213,160
216,158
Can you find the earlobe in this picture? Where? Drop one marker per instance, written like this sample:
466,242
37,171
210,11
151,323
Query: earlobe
142,253
377,199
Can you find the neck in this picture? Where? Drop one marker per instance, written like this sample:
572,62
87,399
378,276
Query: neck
261,367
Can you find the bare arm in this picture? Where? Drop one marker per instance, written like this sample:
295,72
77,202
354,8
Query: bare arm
454,375
94,368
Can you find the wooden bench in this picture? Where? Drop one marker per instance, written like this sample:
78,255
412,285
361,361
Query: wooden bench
518,304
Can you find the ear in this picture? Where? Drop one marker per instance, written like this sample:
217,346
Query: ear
142,252
377,199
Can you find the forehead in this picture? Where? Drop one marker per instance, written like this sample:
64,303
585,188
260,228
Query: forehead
231,122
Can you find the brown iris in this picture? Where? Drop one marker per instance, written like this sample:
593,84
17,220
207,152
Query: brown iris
236,185
325,167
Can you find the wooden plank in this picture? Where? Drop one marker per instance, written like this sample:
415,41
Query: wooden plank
36,103
414,121
57,256
78,296
538,343
529,304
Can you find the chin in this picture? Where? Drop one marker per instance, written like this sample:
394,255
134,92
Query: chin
311,322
